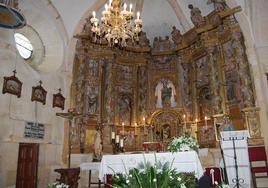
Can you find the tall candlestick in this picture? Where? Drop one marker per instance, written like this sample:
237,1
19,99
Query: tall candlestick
117,139
206,123
121,143
123,125
184,119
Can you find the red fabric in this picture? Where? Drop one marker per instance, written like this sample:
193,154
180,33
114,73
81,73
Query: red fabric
108,181
152,146
257,153
259,169
217,175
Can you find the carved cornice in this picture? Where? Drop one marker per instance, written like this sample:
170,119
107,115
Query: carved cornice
192,46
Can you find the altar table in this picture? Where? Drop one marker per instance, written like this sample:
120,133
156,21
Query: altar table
183,162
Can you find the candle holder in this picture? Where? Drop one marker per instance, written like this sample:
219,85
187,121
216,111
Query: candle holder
115,144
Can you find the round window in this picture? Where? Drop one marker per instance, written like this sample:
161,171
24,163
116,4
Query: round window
23,45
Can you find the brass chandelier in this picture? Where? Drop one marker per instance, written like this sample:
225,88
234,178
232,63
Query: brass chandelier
117,25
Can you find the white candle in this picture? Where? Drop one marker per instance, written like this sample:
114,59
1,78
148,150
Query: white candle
135,126
123,125
130,7
184,119
117,139
212,176
138,15
94,14
113,135
122,143
206,123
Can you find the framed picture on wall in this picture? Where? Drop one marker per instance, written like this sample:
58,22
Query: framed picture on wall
12,85
58,100
39,94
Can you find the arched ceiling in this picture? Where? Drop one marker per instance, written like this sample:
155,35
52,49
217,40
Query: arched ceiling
158,15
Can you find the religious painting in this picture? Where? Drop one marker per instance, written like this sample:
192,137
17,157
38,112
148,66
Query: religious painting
231,86
206,135
39,94
165,93
58,100
93,68
125,109
12,85
125,73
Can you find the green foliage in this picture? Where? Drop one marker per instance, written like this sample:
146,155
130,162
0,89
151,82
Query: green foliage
182,143
154,176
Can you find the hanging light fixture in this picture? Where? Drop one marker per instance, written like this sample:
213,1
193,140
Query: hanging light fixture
10,15
117,26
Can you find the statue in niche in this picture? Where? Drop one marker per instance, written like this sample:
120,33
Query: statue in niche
124,105
91,99
219,5
166,132
125,73
196,16
165,92
176,36
97,147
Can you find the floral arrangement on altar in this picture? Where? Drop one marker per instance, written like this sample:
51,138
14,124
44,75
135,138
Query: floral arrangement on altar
154,176
57,185
183,143
221,185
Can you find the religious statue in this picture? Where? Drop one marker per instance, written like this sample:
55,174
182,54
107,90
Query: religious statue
219,5
97,147
156,43
91,103
176,36
165,43
196,16
143,40
166,94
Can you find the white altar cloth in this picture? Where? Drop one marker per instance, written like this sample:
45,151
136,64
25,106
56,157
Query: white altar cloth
183,162
93,166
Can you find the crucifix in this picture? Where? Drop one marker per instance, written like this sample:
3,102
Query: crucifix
70,115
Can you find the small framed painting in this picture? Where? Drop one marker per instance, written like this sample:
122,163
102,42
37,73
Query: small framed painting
39,94
58,100
12,85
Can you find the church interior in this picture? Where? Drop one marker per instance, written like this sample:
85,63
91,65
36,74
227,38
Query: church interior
85,82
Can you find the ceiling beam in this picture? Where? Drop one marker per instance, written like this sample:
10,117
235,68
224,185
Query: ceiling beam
180,15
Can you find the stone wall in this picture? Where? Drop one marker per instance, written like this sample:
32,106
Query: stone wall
15,112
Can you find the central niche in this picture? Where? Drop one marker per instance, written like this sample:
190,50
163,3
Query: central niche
166,124
165,93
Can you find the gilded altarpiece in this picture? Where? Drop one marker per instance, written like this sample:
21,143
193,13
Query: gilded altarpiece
204,72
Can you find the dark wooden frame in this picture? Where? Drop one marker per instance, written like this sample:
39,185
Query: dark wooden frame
43,92
58,100
7,89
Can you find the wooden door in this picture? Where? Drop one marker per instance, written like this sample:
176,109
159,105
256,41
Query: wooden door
27,165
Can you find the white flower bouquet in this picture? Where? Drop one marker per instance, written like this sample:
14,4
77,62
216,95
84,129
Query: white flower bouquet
183,143
57,185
